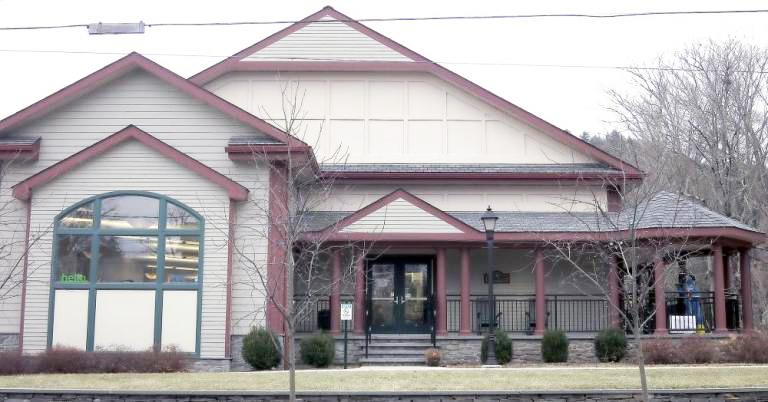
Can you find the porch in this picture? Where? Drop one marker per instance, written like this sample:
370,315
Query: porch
527,281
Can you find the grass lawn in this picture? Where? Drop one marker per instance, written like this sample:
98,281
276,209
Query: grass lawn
405,379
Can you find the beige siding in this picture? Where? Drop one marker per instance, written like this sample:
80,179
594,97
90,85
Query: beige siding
171,116
455,197
327,40
400,216
393,118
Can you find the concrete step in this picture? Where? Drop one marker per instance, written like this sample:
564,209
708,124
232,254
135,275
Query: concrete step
395,352
409,345
392,361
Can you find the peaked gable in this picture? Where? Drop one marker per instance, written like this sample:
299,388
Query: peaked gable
401,212
415,63
125,65
23,190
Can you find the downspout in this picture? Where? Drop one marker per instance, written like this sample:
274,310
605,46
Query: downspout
22,312
230,262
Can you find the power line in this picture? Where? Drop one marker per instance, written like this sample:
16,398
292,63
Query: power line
412,19
446,62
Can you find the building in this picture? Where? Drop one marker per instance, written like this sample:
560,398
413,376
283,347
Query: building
150,205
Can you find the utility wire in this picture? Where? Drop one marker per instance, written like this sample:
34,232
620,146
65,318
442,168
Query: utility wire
468,63
406,19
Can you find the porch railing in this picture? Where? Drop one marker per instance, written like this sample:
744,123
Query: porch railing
316,314
570,313
695,311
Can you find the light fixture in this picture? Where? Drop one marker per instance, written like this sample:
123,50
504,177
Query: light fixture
489,219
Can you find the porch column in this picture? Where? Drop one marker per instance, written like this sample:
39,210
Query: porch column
464,308
335,292
727,283
541,297
717,256
359,309
440,294
613,291
659,268
745,266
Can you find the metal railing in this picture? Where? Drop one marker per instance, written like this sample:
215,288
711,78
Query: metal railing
316,314
577,313
695,311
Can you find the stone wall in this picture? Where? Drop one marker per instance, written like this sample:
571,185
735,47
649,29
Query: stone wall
498,396
9,342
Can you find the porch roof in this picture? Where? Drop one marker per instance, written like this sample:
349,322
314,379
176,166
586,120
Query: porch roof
665,210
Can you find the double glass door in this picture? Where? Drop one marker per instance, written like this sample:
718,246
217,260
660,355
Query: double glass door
400,292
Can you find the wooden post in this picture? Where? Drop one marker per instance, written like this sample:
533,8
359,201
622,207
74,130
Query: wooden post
745,266
541,297
464,308
335,302
659,268
441,296
359,312
613,291
717,256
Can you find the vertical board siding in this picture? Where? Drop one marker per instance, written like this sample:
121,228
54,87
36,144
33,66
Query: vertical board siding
173,117
327,40
400,216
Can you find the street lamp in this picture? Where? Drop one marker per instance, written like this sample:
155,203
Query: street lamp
489,224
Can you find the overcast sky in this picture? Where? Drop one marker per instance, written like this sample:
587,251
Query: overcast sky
571,98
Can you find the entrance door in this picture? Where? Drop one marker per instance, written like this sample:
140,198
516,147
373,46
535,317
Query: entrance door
400,291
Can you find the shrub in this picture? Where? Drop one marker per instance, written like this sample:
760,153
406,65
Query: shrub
70,360
503,348
611,345
660,351
695,349
554,347
260,349
432,357
318,350
751,347
11,363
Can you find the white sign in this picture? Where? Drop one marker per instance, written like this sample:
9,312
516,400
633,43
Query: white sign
346,311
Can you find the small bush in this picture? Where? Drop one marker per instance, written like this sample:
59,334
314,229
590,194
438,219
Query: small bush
318,350
432,357
751,347
260,349
503,348
70,360
696,350
611,345
660,351
11,363
554,347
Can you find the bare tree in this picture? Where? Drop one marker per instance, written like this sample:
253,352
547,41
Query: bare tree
304,253
705,109
619,251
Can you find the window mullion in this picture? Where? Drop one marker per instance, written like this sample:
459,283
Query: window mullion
160,277
93,273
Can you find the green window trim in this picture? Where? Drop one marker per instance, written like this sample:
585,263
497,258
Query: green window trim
159,285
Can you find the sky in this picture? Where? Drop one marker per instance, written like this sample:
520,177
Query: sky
511,58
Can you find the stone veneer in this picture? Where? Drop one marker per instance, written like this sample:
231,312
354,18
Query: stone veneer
9,342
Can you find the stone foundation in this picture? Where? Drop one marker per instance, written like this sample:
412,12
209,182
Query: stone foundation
9,342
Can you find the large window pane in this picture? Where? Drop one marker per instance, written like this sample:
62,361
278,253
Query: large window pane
73,258
80,217
130,212
181,258
179,218
127,259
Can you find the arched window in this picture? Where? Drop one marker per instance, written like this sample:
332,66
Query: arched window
139,258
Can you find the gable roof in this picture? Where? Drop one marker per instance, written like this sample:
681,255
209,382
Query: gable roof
23,190
123,66
410,198
416,63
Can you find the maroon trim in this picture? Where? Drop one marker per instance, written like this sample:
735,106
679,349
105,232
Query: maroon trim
465,317
541,295
277,249
717,267
23,152
659,282
23,190
24,274
745,266
359,310
613,291
490,176
232,221
614,199
420,64
743,237
400,193
335,299
441,305
129,63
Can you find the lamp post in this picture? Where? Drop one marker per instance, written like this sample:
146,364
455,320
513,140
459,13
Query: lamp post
489,224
